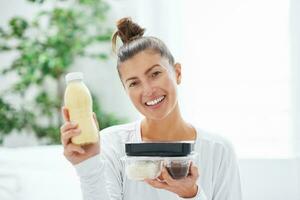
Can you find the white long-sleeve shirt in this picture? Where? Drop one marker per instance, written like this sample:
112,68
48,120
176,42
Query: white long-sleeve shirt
103,176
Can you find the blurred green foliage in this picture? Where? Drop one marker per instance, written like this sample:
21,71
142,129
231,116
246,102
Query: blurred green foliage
46,47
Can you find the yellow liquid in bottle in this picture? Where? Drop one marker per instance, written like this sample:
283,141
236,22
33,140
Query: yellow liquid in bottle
78,101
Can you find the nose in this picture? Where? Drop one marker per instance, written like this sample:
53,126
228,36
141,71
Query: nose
148,89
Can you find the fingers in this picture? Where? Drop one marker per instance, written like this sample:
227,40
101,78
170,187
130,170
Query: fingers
67,135
167,177
65,114
156,183
194,173
67,126
71,148
184,187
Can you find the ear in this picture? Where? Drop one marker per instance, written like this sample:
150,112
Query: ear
177,67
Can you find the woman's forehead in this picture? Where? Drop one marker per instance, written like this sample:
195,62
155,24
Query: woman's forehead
144,57
141,62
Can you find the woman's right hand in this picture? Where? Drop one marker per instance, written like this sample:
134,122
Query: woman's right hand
75,153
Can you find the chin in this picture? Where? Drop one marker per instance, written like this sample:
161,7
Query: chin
155,117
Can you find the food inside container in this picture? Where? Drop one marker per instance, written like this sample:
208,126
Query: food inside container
140,168
178,167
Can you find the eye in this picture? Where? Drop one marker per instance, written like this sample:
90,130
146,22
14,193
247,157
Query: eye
132,84
154,74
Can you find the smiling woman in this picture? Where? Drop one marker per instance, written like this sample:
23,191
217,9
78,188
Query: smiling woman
150,77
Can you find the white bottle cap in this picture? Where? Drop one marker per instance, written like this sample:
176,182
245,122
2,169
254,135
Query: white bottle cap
73,76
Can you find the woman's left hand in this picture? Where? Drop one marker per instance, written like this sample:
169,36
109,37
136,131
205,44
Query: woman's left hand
185,187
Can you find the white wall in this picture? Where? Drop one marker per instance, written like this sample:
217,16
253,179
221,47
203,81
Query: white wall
270,179
295,64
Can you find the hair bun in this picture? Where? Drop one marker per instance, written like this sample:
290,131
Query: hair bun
128,30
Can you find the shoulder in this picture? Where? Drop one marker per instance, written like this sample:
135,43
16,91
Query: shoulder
214,144
213,138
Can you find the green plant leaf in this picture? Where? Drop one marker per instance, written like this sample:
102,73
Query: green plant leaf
18,26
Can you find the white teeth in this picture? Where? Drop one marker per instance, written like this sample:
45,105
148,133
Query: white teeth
155,101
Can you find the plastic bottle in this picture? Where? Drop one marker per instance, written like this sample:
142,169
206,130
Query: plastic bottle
79,102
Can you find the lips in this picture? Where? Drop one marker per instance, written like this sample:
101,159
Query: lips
155,101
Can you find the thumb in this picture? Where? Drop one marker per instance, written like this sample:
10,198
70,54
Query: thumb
194,172
65,114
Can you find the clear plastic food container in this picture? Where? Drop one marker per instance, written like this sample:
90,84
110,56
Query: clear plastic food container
178,167
140,168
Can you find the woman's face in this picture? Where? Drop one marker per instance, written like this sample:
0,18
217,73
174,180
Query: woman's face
151,83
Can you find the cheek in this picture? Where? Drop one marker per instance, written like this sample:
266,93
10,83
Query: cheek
134,96
170,85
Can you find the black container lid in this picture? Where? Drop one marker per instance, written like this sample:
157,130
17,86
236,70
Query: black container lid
162,149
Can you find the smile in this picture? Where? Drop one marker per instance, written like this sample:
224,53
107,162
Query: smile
155,101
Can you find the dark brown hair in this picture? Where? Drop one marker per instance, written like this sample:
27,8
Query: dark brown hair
134,42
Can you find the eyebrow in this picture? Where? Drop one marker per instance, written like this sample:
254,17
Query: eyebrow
146,72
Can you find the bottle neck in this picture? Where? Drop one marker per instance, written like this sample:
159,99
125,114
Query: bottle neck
75,81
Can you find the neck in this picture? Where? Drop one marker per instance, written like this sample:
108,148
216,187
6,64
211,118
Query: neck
170,128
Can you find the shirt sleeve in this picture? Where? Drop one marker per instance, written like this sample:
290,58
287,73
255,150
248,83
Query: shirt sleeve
227,184
92,179
100,176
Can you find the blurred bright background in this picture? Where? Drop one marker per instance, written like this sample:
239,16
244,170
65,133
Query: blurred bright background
241,67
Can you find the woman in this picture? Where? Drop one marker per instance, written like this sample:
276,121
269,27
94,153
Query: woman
150,77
